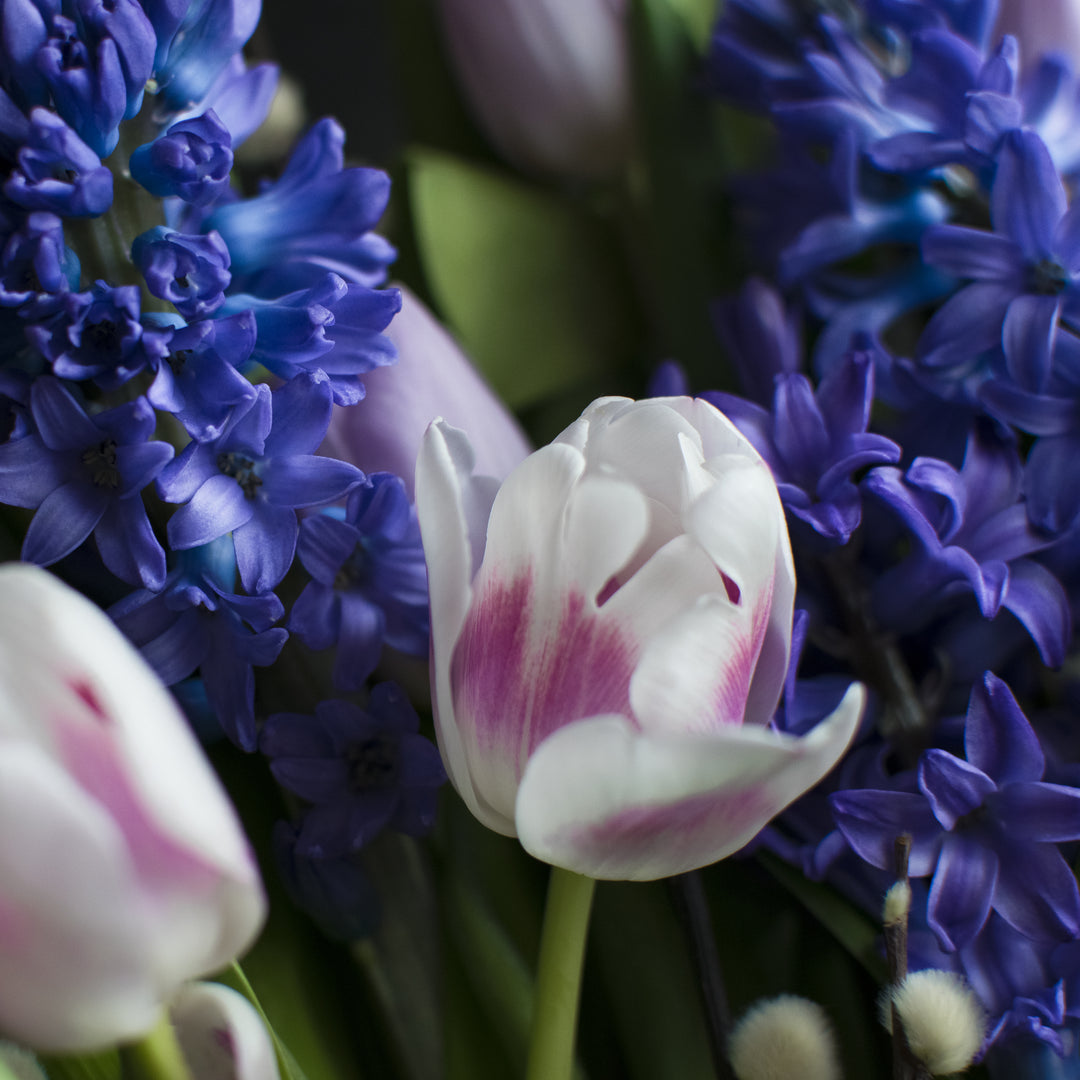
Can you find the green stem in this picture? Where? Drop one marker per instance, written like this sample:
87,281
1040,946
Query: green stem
157,1055
558,976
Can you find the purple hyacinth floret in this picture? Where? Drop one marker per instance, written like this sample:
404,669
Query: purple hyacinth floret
815,441
338,893
316,217
190,271
85,475
95,335
196,622
253,477
984,827
36,260
192,160
1025,275
196,42
369,581
333,327
362,769
56,171
197,376
762,337
972,534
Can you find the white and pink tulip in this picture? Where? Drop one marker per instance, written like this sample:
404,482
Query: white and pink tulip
610,635
124,870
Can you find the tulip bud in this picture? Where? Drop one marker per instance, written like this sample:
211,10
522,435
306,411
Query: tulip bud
1041,26
432,377
548,80
610,636
220,1035
123,868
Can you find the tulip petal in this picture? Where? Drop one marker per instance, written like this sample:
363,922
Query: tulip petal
65,847
78,688
740,523
221,1035
453,508
694,676
601,798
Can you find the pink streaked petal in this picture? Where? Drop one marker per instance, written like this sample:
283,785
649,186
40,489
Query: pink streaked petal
73,937
515,682
740,522
695,674
450,505
603,799
221,1035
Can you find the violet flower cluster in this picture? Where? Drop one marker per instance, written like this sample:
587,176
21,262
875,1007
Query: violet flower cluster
174,353
925,453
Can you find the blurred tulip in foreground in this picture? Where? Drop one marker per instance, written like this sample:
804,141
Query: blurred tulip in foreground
432,377
548,80
124,871
606,660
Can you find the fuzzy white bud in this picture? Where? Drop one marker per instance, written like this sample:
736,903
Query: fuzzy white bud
897,903
784,1038
943,1020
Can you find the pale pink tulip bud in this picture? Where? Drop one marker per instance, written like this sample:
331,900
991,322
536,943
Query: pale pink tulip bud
610,635
124,870
548,80
432,377
220,1035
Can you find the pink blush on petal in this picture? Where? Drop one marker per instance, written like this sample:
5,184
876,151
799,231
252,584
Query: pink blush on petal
634,835
515,683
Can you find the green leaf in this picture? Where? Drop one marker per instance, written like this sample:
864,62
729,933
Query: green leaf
235,978
100,1065
676,199
301,979
850,926
532,285
649,984
699,17
401,961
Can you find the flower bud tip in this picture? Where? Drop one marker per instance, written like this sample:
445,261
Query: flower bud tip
943,1020
897,903
784,1038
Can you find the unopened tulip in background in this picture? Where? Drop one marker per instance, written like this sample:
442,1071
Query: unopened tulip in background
549,80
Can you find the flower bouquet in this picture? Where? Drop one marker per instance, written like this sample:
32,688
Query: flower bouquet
661,426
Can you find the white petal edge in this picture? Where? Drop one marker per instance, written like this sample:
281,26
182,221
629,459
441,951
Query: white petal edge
600,798
450,506
221,1036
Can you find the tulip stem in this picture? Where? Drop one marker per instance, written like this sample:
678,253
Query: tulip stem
558,976
157,1055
